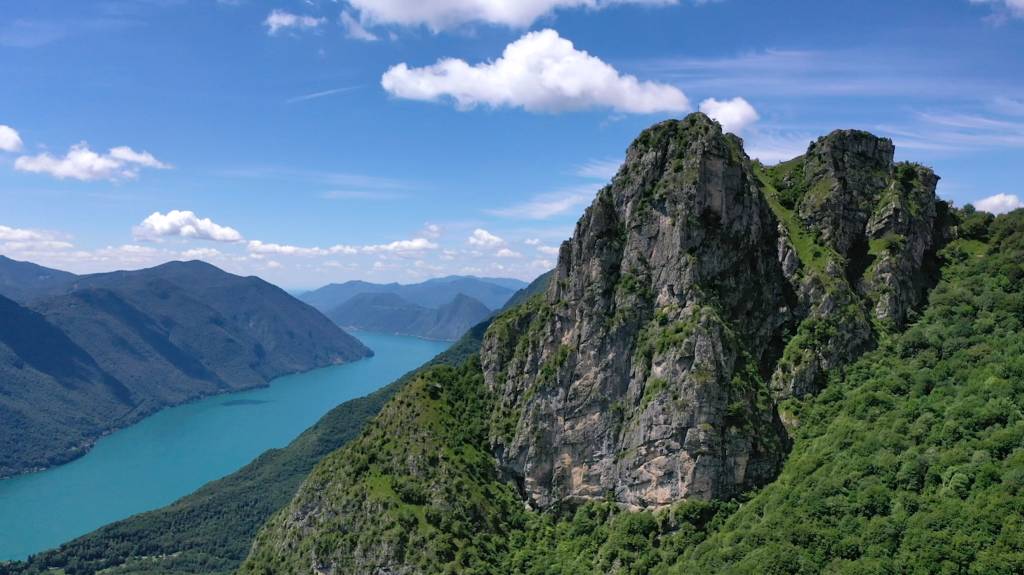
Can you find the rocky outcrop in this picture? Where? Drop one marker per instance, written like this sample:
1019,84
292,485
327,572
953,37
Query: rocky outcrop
858,240
637,373
693,279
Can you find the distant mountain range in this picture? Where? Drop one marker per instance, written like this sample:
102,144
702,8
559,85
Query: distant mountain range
83,355
492,292
389,313
441,308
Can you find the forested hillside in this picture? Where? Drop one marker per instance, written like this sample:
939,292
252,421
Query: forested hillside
897,391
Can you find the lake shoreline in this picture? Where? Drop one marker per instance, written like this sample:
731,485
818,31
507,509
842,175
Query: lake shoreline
135,417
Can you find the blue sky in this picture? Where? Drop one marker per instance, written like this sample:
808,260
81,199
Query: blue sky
313,141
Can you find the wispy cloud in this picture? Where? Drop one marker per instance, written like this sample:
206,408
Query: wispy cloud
599,169
544,206
321,94
815,73
279,20
324,179
355,30
957,131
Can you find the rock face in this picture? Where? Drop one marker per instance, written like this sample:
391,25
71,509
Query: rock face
858,240
698,291
637,375
693,279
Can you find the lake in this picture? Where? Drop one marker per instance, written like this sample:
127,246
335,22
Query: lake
177,450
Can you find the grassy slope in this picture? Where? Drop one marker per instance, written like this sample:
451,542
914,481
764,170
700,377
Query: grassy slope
211,530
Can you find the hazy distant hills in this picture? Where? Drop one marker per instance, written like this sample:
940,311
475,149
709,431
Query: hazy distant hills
441,308
105,350
390,313
21,281
492,292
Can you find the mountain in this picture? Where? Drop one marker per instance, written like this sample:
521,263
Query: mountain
390,313
492,292
116,347
23,281
813,367
210,531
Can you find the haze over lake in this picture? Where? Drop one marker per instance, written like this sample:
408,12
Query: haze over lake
177,450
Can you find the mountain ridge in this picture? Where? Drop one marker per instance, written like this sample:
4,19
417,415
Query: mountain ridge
698,305
142,340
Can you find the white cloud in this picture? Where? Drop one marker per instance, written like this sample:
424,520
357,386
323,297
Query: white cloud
544,206
540,247
485,239
279,20
1014,7
355,30
201,254
262,248
21,235
599,169
773,146
186,224
507,253
432,231
540,72
10,141
81,163
999,203
734,115
413,245
444,14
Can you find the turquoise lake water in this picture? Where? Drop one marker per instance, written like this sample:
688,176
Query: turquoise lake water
175,451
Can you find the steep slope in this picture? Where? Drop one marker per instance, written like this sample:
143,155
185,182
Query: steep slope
689,302
152,338
433,293
24,281
378,312
452,319
390,313
211,530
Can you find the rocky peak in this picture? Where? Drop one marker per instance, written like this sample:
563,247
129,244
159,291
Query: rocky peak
637,374
697,289
844,174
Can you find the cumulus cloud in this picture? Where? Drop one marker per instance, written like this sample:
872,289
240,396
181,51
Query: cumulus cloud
258,247
507,253
10,140
485,239
24,240
201,254
539,72
734,115
185,224
443,14
279,20
81,163
999,203
355,30
413,245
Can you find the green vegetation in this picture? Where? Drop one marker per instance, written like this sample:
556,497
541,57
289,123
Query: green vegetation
211,530
418,486
812,254
911,461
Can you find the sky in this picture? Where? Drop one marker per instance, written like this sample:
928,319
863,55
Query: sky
317,141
